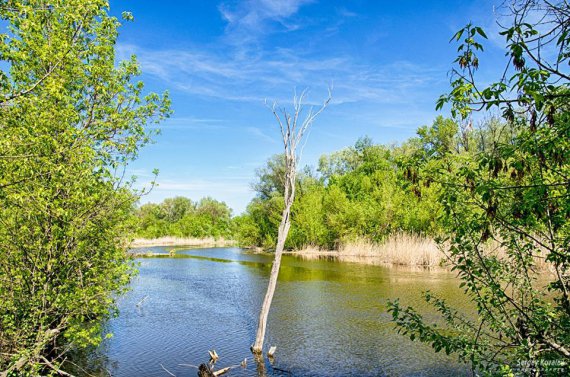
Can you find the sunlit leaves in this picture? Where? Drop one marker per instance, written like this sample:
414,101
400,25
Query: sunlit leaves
71,118
507,207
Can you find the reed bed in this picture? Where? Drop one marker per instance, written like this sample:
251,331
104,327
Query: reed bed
403,249
495,248
399,249
179,241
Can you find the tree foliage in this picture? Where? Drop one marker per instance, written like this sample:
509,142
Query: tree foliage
514,195
71,118
365,191
180,217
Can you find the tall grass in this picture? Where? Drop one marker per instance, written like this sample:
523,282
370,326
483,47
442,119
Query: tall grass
405,249
178,241
399,249
494,247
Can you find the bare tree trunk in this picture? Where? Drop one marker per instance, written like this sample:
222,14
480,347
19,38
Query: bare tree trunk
292,133
281,238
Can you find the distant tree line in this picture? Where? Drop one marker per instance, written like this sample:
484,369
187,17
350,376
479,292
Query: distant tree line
366,191
181,217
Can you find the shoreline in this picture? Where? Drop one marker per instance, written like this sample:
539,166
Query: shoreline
373,260
181,241
398,250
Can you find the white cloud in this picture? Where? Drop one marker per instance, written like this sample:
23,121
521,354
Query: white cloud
224,184
139,173
231,69
193,123
273,75
251,15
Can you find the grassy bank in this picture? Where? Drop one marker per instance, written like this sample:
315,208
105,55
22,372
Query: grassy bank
178,241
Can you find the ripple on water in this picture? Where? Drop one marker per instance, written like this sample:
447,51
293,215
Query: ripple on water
327,319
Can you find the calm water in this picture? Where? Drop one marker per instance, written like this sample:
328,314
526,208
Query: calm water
328,318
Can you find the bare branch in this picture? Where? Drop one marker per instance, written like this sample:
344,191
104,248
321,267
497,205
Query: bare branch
167,371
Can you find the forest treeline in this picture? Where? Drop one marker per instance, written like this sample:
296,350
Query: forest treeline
182,217
366,191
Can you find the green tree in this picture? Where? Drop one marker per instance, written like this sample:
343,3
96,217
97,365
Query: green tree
365,191
71,118
247,231
439,139
266,208
506,208
175,208
151,221
180,217
308,226
270,181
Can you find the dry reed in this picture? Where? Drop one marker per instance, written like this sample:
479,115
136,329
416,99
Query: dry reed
399,249
178,241
405,249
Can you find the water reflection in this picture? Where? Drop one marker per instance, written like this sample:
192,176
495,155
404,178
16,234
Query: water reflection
328,317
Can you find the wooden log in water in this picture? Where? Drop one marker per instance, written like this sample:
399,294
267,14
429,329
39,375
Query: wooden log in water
141,301
271,351
204,370
221,371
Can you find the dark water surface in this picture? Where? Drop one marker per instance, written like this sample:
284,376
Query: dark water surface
328,318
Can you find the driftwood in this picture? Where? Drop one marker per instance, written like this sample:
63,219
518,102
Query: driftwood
204,370
221,371
207,370
271,351
167,371
213,356
141,301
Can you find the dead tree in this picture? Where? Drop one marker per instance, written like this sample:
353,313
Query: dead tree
293,128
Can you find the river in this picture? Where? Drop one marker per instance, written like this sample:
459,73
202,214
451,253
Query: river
328,318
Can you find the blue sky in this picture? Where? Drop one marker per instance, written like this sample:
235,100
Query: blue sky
387,61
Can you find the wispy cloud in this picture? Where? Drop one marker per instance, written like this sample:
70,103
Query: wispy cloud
258,133
225,184
194,123
254,15
140,173
344,12
273,74
231,70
